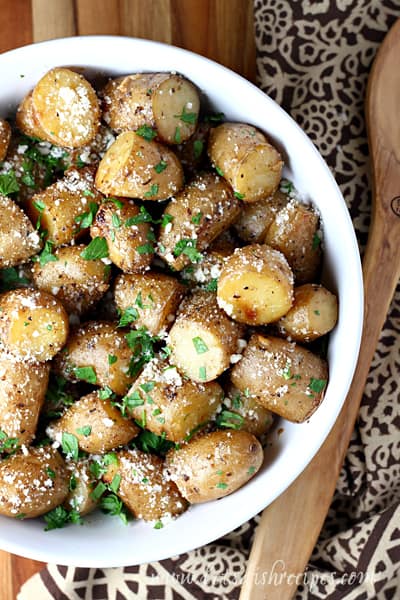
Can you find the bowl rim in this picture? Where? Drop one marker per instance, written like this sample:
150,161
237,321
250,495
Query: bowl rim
204,536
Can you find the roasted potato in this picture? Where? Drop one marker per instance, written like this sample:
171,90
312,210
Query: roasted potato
19,241
27,121
203,339
145,486
243,412
97,425
77,283
97,352
33,324
283,377
66,107
151,299
313,314
215,464
256,217
243,155
81,484
134,167
64,209
5,136
168,404
198,215
166,101
129,240
294,232
255,285
32,483
23,387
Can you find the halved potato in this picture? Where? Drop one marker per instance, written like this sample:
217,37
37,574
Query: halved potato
27,121
243,412
295,233
64,207
136,168
243,155
76,282
5,136
282,376
129,242
99,353
197,216
18,239
81,485
314,313
215,464
166,101
33,324
97,425
23,386
32,483
255,285
145,486
170,404
66,108
203,339
151,298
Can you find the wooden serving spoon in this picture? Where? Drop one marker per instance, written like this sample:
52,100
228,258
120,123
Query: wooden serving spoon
290,526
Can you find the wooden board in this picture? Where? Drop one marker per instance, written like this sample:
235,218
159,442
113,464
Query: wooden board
219,29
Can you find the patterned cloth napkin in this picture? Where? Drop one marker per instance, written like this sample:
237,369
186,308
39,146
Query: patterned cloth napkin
314,57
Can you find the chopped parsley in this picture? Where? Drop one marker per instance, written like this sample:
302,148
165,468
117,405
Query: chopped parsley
165,219
142,344
147,441
60,516
112,505
69,444
96,249
187,246
199,345
46,255
251,470
222,485
117,202
196,219
286,186
238,195
147,248
143,217
158,525
7,443
187,117
198,146
128,316
177,136
50,473
146,132
229,419
161,166
85,219
316,241
153,191
202,373
8,183
106,393
219,171
87,374
112,359
214,117
86,430
317,385
10,279
211,286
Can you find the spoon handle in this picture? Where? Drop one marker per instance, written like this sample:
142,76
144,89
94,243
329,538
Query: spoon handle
290,526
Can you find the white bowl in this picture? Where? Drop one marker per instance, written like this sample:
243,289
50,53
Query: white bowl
104,541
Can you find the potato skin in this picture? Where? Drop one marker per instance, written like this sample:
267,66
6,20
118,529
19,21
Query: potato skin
125,242
63,202
201,320
171,404
5,136
313,314
252,166
200,213
79,498
155,297
28,487
293,232
27,121
255,285
19,242
215,464
108,428
33,324
279,375
256,419
145,486
90,346
128,169
23,387
152,99
77,283
66,108
256,217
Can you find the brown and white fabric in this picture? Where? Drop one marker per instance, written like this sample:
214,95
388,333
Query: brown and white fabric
314,57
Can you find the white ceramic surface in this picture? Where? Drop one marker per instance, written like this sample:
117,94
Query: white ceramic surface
105,541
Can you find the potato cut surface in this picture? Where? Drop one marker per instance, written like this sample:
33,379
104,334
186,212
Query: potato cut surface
66,108
19,242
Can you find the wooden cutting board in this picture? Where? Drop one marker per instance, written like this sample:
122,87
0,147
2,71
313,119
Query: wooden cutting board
219,29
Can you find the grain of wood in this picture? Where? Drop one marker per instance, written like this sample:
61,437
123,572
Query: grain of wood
98,17
15,24
53,19
290,526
